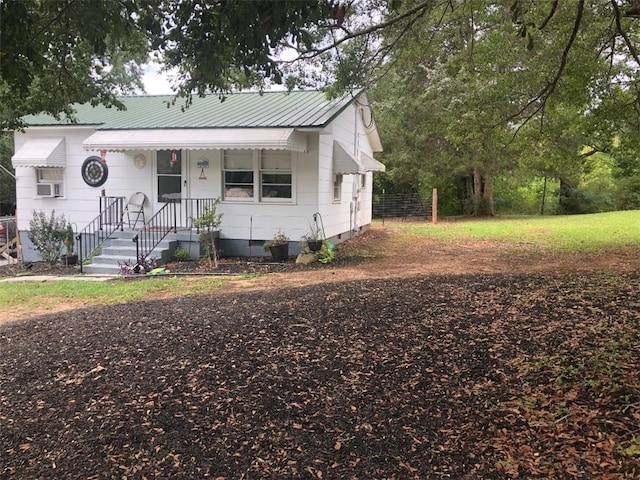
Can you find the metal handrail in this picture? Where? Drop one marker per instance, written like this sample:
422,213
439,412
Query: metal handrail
91,237
196,208
166,220
154,231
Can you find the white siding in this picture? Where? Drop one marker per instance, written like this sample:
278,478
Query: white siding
79,202
312,177
260,221
354,208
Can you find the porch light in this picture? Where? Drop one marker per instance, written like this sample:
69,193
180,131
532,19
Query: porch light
103,156
174,157
202,175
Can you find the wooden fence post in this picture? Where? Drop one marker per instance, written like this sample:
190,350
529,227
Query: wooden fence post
434,207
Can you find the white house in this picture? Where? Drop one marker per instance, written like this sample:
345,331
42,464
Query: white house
277,161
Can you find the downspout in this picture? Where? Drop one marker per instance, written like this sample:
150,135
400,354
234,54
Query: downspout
354,182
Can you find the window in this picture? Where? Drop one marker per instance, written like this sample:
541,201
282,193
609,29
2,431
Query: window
49,182
265,176
275,175
237,171
337,187
169,175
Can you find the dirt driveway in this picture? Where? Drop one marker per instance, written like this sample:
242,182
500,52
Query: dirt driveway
383,252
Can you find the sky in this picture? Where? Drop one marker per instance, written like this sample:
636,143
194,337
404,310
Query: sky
156,83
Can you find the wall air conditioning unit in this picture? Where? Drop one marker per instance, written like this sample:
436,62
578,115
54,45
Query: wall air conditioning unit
48,189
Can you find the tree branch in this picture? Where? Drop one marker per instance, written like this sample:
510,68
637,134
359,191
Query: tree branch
632,49
552,12
551,85
418,9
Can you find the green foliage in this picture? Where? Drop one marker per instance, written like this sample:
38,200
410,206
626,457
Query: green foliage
327,253
47,234
210,221
627,193
69,239
455,101
279,238
633,448
7,182
181,254
56,53
578,200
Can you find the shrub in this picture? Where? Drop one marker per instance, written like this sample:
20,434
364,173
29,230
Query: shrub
627,194
181,254
327,253
209,222
47,234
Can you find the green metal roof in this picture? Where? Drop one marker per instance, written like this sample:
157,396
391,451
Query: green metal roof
294,109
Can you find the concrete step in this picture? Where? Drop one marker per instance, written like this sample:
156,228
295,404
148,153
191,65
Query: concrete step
122,251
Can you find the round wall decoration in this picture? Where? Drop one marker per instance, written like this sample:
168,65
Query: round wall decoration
139,160
94,171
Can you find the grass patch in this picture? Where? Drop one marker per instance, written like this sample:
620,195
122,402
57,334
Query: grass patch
578,233
41,296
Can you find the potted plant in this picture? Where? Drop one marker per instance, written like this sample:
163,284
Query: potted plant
278,246
70,258
314,239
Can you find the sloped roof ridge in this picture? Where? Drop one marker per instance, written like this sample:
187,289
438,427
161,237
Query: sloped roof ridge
245,109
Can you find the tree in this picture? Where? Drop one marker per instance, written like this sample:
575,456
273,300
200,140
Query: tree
58,52
7,179
488,99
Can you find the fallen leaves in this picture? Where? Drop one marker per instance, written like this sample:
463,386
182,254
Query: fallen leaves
488,376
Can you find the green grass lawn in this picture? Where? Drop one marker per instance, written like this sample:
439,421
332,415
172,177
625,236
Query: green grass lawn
43,295
577,233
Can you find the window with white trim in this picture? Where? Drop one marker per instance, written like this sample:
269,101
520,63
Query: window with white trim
337,187
169,175
237,175
257,175
275,175
49,181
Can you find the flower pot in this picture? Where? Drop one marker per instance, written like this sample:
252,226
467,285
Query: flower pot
280,253
314,245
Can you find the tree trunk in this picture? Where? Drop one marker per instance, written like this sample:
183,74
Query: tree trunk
544,195
487,196
477,191
482,195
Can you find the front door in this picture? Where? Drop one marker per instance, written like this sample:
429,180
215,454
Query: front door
169,184
169,175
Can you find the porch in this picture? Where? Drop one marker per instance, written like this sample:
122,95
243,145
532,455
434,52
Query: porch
124,232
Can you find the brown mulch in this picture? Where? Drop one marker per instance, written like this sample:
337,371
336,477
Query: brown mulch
477,375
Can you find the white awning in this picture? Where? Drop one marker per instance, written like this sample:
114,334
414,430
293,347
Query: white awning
370,164
41,152
343,161
198,139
